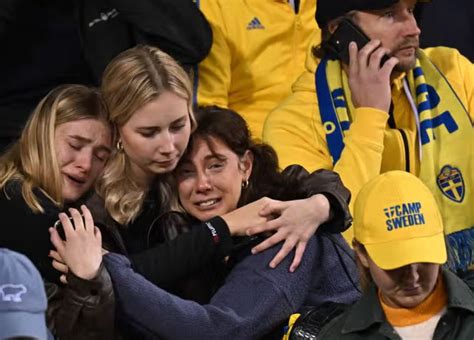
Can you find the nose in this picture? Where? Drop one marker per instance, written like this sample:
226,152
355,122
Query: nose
84,161
412,274
203,182
166,143
411,26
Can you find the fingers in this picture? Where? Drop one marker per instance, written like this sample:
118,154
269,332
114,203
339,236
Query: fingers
62,278
55,255
67,225
271,207
353,58
300,248
98,235
389,65
88,220
365,52
268,243
78,220
284,251
61,267
56,240
376,58
266,226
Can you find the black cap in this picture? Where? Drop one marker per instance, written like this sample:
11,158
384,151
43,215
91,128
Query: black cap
327,10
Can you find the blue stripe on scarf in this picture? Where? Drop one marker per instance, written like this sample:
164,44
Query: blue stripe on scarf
328,106
460,249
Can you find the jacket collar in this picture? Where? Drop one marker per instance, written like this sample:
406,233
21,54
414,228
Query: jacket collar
459,296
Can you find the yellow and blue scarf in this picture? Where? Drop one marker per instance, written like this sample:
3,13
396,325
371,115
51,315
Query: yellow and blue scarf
447,141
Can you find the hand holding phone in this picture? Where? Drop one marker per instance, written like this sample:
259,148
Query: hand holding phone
346,32
369,67
60,229
82,251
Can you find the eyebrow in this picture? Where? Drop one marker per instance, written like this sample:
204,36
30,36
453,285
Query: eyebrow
152,128
88,141
217,156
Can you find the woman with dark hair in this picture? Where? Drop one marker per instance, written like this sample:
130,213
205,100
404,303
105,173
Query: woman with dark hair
221,170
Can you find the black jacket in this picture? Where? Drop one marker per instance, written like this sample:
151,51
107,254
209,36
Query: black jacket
81,310
89,34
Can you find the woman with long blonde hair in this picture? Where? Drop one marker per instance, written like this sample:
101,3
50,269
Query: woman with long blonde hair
61,152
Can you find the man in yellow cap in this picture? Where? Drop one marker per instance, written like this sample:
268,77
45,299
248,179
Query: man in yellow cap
400,248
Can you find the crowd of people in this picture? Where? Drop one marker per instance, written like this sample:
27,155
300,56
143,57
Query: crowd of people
242,169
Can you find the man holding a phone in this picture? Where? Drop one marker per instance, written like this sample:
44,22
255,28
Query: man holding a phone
371,101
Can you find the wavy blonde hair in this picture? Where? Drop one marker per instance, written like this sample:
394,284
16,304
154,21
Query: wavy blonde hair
32,159
132,79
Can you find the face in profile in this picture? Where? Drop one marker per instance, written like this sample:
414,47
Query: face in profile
397,29
210,178
156,135
404,287
82,149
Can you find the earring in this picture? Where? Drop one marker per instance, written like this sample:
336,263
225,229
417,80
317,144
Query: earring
119,145
245,184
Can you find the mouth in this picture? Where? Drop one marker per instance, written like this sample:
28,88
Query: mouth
407,48
76,180
414,290
207,204
166,163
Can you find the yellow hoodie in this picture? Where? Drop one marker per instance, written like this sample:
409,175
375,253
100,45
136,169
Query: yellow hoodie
258,51
295,130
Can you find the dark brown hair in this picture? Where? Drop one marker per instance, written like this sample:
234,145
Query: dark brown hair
230,128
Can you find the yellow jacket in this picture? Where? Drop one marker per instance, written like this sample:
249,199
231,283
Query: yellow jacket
258,51
295,130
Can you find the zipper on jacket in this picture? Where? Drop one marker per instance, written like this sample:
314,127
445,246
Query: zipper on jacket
407,153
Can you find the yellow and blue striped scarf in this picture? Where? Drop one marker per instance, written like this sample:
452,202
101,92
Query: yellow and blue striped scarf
446,166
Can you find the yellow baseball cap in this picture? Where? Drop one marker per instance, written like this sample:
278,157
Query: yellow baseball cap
398,221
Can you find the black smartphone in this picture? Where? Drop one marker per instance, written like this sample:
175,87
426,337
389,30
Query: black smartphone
59,227
346,32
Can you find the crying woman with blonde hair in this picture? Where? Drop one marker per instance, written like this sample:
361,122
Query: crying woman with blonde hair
53,166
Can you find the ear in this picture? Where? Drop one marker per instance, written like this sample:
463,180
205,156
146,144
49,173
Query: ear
361,253
332,25
246,163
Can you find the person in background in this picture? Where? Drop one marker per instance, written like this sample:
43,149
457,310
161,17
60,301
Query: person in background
414,112
47,43
22,298
256,54
400,247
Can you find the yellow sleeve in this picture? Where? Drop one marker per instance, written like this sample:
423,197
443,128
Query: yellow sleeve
214,72
458,70
295,130
468,71
290,130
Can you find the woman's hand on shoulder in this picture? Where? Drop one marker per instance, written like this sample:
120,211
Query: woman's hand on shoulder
248,216
294,222
81,252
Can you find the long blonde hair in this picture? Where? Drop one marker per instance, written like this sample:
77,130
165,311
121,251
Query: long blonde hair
134,78
32,159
